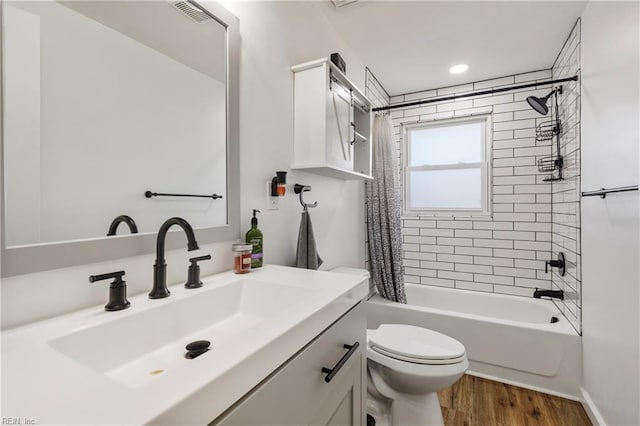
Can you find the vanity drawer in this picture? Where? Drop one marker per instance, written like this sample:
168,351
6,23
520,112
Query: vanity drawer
298,392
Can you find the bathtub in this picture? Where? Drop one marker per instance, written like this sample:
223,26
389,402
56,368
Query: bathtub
508,338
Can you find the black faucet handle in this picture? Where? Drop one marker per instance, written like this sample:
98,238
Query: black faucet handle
193,277
194,260
117,277
556,263
117,290
553,264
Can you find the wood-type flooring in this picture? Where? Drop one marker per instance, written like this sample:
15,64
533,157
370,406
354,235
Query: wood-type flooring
473,401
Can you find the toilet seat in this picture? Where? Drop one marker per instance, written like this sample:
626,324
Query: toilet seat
418,360
415,345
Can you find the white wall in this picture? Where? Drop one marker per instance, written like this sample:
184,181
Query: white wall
274,37
610,137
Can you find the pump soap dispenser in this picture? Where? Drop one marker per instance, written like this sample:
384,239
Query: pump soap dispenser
254,237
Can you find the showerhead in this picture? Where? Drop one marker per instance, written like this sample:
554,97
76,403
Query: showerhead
539,104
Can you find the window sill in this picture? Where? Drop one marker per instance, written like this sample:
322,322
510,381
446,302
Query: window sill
448,215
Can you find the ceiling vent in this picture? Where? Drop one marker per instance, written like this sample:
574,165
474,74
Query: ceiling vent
342,3
191,11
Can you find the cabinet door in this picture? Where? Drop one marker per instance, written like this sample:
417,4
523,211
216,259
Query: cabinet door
339,128
343,405
297,393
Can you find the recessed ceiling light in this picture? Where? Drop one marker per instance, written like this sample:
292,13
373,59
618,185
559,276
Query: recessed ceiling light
458,69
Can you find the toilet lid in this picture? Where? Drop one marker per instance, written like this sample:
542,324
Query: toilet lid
410,343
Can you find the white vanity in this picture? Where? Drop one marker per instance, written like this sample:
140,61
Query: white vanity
272,332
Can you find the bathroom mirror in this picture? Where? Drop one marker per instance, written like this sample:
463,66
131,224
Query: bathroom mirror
104,101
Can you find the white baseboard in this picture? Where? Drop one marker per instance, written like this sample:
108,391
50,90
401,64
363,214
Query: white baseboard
591,409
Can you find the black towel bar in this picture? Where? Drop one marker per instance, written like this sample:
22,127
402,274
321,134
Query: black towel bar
602,192
150,194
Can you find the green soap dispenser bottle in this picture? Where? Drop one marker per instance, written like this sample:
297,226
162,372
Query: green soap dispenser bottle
254,237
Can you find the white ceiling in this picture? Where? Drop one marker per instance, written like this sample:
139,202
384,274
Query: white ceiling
410,45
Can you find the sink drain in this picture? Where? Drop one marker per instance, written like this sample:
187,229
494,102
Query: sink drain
197,348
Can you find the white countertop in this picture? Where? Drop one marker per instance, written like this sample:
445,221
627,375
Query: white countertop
47,386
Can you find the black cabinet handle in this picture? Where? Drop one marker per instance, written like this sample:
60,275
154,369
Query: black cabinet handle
331,372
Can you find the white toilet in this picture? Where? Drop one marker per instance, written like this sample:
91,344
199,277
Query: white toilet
406,367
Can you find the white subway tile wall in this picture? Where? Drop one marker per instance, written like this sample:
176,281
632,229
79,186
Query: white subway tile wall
504,253
374,91
565,213
532,220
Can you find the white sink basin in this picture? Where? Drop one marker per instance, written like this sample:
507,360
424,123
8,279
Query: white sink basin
140,348
128,367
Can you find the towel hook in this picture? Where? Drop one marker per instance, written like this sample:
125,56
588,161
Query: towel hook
300,189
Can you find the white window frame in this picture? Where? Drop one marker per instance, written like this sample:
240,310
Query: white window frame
485,166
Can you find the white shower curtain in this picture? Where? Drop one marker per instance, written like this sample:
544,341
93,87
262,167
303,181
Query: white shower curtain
383,215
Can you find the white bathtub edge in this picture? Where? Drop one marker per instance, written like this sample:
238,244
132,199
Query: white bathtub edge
566,384
591,408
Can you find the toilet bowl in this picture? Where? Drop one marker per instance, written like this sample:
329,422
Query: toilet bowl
406,367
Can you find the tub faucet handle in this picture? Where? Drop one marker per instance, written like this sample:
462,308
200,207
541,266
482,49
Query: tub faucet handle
556,263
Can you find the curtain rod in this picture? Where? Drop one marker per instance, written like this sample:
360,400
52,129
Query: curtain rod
468,95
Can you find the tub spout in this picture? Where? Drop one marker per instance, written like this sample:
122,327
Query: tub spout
558,294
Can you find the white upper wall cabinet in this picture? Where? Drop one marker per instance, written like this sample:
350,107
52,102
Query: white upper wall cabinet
332,123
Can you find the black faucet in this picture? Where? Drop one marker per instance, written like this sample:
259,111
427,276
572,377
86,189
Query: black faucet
133,228
558,294
160,289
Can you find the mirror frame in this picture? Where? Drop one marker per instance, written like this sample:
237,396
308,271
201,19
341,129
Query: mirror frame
46,256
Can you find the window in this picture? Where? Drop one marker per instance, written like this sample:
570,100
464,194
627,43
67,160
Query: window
446,167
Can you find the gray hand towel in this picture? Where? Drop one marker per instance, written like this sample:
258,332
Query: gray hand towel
307,254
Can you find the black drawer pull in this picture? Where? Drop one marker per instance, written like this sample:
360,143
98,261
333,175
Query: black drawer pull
331,372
